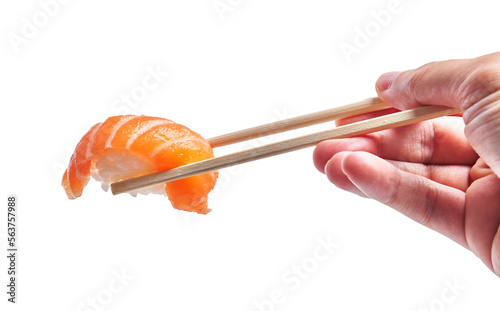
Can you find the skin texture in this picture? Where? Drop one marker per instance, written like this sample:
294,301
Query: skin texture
442,173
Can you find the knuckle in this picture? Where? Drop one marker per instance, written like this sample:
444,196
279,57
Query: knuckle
417,80
429,206
421,145
483,81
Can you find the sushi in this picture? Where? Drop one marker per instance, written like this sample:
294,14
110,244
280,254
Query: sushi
123,147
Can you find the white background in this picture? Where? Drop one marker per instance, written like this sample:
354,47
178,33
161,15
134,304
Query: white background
256,63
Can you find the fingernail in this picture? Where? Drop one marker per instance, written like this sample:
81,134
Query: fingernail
385,81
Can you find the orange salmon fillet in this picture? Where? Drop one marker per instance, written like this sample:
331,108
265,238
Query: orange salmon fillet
128,146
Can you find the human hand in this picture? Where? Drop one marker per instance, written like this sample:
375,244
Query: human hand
434,172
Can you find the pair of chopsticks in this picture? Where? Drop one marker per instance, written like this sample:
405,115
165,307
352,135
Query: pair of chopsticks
359,128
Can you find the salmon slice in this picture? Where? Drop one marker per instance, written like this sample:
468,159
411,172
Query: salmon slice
124,147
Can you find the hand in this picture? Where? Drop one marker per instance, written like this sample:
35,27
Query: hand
433,172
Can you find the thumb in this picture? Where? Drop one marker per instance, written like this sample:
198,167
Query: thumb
472,85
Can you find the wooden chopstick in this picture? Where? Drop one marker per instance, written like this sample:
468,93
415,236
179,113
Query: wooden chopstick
359,128
364,106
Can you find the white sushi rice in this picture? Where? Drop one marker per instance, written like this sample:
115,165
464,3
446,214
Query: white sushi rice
116,165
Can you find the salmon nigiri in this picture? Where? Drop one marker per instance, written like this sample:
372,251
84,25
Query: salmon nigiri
124,147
